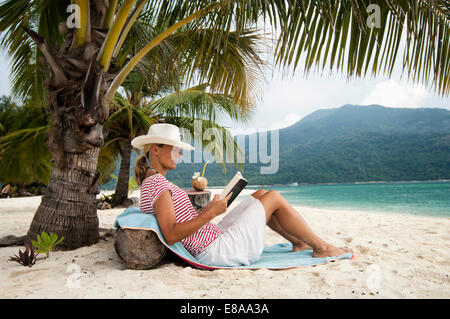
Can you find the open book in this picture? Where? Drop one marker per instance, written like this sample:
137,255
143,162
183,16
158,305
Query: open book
236,185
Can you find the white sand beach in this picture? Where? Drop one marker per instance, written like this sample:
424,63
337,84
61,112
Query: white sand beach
398,256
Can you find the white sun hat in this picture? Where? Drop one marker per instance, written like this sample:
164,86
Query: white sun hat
161,133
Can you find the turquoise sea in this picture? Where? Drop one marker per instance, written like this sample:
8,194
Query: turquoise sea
412,198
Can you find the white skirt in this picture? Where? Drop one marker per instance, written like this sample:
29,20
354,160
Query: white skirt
242,241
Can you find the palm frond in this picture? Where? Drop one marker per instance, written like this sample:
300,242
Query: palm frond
196,102
108,158
27,71
234,67
125,71
83,32
8,113
109,16
25,159
128,25
106,51
338,35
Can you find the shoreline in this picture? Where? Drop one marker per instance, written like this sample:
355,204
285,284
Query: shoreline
343,183
33,202
351,183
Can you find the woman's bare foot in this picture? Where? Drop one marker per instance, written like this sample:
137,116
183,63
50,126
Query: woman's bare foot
300,247
330,251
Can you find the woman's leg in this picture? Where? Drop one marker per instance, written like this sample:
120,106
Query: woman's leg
297,244
274,224
293,224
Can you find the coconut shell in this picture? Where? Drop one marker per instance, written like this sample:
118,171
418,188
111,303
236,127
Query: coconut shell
199,185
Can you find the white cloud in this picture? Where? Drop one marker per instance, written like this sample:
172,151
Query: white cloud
242,130
393,94
302,95
288,120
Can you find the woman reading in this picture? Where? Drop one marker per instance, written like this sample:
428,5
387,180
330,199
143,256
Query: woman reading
238,239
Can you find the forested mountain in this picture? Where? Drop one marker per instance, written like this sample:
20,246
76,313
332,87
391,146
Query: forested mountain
348,144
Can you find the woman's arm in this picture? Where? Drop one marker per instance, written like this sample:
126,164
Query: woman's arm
173,231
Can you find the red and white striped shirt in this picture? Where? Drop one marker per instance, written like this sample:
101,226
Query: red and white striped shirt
154,186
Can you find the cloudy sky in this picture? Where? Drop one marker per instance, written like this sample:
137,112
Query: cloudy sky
286,99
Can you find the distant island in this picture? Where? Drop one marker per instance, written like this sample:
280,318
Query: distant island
348,144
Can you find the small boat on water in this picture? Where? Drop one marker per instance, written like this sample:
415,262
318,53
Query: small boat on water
293,184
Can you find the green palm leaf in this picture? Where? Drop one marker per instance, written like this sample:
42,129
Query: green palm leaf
24,156
196,102
25,159
336,35
27,70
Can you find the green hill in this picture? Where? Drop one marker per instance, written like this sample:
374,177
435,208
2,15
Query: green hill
349,144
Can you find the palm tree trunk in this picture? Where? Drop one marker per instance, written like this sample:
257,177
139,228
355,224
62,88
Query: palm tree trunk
76,88
124,173
69,207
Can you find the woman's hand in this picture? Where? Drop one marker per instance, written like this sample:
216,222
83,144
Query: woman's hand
217,206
